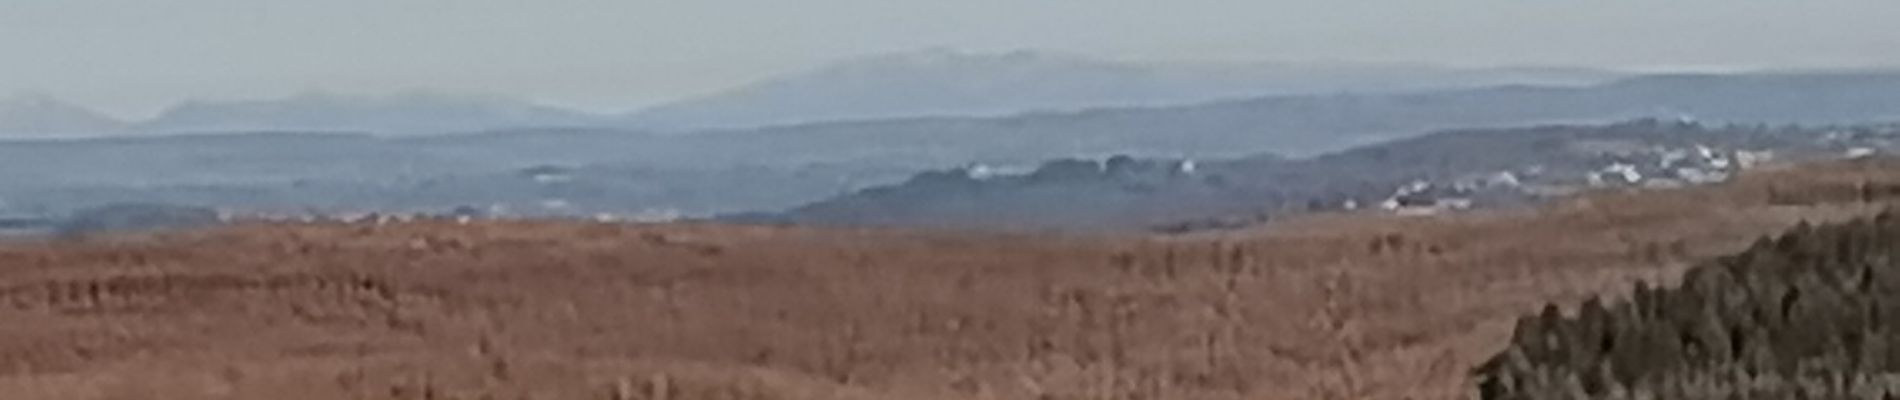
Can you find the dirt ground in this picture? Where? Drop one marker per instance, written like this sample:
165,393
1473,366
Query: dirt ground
1324,307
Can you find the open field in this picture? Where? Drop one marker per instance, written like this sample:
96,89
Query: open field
1341,306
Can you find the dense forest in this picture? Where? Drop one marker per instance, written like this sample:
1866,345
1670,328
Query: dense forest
1813,313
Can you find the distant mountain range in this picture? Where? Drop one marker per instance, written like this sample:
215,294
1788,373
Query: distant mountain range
399,114
933,83
778,167
1303,125
949,83
40,116
944,92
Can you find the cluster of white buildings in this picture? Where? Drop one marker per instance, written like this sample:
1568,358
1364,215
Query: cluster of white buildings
1652,168
460,214
1676,167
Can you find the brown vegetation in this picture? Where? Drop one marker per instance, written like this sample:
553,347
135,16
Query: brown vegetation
1335,307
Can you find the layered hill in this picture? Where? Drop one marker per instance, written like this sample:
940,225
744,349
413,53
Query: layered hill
929,83
1347,306
1040,103
1443,171
1305,125
801,164
952,83
402,114
39,116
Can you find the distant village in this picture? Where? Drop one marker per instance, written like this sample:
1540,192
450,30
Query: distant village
1599,164
1623,166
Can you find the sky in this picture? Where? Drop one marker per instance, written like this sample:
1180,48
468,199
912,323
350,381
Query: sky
134,57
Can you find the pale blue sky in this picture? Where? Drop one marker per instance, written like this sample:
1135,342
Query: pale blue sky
134,56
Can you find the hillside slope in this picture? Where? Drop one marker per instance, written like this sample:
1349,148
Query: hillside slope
1479,167
1321,307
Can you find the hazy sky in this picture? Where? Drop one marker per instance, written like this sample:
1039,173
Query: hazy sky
131,57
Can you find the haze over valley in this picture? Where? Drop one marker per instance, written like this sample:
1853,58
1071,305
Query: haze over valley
937,82
334,154
970,200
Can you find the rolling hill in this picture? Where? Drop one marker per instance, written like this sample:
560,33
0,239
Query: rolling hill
40,116
1338,306
952,83
1473,168
245,170
408,113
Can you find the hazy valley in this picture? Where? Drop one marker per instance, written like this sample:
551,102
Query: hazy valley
630,174
623,201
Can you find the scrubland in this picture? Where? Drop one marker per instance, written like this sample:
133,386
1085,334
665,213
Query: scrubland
1343,306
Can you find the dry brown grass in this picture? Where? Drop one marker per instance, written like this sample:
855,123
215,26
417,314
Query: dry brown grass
1329,307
